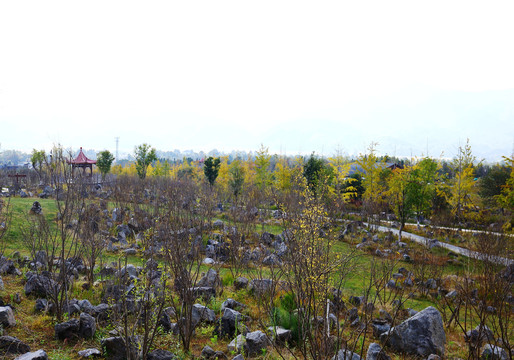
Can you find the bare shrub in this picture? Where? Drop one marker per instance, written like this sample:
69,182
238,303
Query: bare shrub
311,271
58,238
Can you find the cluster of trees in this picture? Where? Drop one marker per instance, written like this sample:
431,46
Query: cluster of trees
463,187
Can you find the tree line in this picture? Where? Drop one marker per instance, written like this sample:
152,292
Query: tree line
463,188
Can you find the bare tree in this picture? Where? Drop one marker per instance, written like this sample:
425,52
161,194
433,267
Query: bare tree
138,305
58,238
92,239
138,301
180,230
311,270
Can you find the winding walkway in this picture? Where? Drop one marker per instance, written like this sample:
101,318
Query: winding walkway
458,250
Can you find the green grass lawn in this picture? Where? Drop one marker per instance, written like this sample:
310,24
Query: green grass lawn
20,208
356,279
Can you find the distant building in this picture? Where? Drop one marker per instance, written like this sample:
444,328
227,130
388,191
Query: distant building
82,162
356,168
18,166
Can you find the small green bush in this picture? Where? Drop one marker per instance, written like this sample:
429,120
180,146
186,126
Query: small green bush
284,315
227,280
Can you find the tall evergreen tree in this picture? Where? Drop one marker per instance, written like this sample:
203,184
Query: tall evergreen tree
211,168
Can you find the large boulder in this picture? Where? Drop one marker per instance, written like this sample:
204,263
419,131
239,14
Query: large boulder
12,345
7,267
117,292
252,344
256,342
203,314
40,285
124,231
128,271
479,335
70,307
211,279
41,305
380,326
204,292
267,238
279,334
42,258
237,345
86,306
280,249
6,317
36,355
260,286
90,353
231,304
101,311
218,224
356,300
116,349
492,352
421,335
345,354
161,355
68,329
167,317
375,352
240,283
207,352
228,323
36,208
87,327
271,260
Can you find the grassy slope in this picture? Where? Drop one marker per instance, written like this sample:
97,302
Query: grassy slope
37,330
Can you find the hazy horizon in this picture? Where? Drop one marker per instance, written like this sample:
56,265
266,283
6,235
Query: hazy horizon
229,75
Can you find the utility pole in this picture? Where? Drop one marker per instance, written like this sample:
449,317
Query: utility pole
117,142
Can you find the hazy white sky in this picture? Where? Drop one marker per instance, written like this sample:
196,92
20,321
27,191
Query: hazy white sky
296,76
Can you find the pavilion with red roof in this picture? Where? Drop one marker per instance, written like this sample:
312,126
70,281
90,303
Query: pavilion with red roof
81,161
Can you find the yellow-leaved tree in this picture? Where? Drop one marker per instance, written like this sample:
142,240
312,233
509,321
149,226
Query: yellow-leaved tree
506,198
223,175
150,171
117,169
341,186
130,169
250,175
312,269
462,195
374,190
160,169
400,194
283,175
188,169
